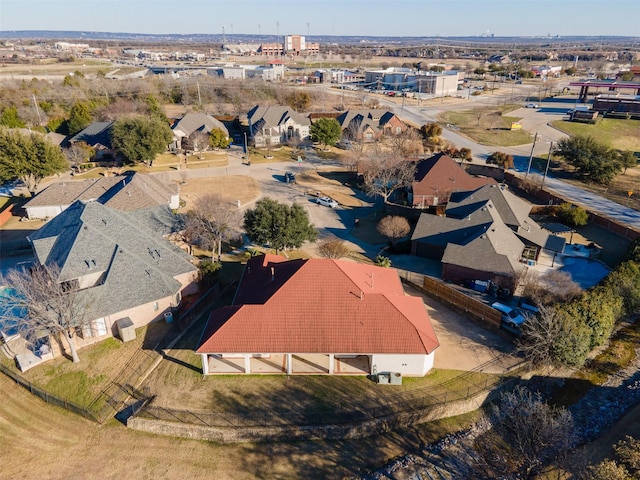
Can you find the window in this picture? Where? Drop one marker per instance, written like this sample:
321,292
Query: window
155,305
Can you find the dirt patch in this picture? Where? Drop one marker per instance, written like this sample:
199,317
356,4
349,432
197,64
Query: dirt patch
235,187
331,184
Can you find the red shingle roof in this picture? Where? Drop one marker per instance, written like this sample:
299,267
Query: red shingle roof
319,306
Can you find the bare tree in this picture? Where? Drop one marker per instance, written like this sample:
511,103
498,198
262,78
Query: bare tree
333,248
526,432
394,227
406,143
215,218
551,288
199,141
386,175
43,303
78,153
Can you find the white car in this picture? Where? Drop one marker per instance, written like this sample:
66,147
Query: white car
510,316
327,202
531,105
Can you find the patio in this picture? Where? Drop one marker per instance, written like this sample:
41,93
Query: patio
302,364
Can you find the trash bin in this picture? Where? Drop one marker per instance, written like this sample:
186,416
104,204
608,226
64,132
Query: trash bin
168,317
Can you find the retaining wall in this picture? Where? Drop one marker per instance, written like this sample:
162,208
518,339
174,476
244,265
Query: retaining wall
362,429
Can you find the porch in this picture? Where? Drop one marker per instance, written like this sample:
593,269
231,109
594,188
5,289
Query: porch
286,363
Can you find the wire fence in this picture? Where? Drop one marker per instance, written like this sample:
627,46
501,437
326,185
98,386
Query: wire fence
47,396
459,388
124,384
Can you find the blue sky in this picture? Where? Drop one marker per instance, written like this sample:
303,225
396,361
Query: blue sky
329,17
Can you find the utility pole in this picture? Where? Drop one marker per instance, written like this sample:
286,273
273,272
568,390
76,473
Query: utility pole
531,155
547,169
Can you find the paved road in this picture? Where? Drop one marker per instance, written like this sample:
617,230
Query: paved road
537,119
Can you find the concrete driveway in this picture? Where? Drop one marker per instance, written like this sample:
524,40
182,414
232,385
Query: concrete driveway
465,345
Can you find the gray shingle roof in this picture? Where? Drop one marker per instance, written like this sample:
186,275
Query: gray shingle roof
124,192
272,116
98,133
197,121
122,263
480,240
512,209
359,120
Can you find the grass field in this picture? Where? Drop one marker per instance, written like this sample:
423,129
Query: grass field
488,126
613,132
41,441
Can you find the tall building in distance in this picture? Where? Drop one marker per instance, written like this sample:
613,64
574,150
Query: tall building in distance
291,45
297,44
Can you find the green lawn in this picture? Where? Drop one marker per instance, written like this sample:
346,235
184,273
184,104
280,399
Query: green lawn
613,132
488,126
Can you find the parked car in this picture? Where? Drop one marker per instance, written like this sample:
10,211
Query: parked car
289,177
510,316
531,105
327,202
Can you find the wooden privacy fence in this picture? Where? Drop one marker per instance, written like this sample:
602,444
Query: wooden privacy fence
463,303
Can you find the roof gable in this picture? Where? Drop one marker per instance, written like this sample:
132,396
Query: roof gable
513,211
89,240
440,175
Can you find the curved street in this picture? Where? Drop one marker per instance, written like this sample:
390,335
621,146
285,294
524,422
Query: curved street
537,119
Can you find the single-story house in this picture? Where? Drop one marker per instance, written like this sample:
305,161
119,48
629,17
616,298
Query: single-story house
438,177
275,125
318,316
122,268
122,192
186,128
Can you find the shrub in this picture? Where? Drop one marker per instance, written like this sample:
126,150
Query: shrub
572,215
383,261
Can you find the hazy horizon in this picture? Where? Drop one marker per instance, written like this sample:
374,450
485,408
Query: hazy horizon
376,18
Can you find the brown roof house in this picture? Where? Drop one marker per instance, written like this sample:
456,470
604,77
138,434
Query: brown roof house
369,125
438,177
275,125
135,192
319,316
486,235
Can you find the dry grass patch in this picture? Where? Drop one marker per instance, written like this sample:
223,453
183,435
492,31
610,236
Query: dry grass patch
489,125
234,187
612,132
82,382
330,184
64,442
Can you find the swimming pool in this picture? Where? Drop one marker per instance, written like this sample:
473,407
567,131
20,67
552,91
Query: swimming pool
8,325
584,271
